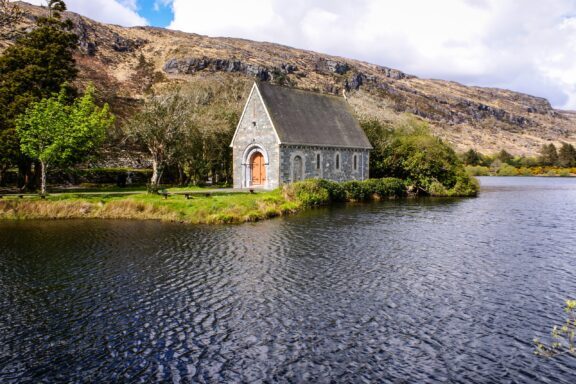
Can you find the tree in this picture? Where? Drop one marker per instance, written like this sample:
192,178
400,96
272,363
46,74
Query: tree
567,155
548,154
472,157
505,157
9,150
215,110
190,128
161,126
408,151
55,133
35,67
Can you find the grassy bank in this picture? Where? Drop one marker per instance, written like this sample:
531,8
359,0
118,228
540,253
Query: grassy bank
510,170
215,209
224,208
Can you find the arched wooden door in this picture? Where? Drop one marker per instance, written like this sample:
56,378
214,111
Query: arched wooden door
258,169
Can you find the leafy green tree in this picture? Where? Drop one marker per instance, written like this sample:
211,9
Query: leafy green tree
472,157
35,67
567,155
548,155
55,133
409,152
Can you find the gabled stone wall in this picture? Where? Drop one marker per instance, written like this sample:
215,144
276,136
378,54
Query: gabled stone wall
255,132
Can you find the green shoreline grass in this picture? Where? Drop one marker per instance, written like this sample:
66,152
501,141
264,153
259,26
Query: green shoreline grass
216,209
230,208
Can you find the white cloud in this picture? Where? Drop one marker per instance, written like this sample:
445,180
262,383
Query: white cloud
528,46
121,12
161,3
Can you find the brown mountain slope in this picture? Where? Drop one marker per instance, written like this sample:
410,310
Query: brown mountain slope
486,119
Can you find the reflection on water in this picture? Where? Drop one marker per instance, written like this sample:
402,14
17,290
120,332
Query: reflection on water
403,291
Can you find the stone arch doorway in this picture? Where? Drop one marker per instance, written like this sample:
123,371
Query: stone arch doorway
257,169
297,168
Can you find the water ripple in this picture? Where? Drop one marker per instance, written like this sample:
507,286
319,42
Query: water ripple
438,290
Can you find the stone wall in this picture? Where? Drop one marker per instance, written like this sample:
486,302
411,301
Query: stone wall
327,168
255,132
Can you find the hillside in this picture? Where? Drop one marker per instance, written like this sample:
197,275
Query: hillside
486,119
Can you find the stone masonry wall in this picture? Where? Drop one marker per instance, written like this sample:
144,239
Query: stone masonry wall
327,169
255,132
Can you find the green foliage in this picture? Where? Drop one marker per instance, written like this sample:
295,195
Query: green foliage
505,157
160,126
34,68
507,170
190,128
465,185
311,193
386,187
478,170
563,337
314,192
548,155
356,190
472,157
408,151
567,155
54,132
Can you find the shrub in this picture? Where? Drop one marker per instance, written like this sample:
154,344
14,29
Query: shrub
356,191
465,186
386,187
311,192
437,189
335,190
507,170
477,170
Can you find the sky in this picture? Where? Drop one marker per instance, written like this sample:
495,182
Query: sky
523,45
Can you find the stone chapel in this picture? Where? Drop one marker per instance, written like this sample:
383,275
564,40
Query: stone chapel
286,135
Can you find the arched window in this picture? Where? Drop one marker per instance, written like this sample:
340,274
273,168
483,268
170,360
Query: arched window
318,161
355,162
337,161
297,168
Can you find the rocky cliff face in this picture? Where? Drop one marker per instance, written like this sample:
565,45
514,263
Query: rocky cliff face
486,119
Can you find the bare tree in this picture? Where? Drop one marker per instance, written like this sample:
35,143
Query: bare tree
161,126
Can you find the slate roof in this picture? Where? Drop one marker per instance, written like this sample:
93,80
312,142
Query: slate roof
309,118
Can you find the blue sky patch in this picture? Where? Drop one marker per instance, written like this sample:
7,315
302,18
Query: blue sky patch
158,15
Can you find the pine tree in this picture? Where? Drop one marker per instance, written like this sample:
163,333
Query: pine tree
34,68
472,157
548,154
567,155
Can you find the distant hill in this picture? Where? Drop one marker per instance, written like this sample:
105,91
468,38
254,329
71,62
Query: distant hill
124,61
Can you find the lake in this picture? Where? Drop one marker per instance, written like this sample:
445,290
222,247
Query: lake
405,291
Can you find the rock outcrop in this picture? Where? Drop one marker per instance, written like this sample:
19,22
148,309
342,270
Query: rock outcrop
487,119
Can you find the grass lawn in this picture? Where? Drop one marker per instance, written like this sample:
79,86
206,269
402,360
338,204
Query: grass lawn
224,208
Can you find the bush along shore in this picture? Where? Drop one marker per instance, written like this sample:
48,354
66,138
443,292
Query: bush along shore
214,209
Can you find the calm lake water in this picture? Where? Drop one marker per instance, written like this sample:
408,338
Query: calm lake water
432,290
